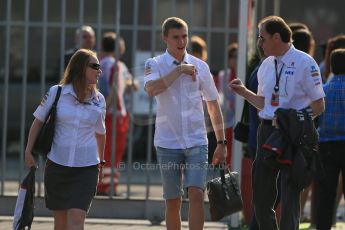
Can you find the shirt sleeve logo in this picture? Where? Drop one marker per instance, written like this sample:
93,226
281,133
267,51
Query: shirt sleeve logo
147,70
314,72
44,99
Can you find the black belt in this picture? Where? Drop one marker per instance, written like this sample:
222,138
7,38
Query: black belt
267,122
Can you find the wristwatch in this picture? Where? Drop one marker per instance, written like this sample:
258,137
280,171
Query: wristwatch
222,142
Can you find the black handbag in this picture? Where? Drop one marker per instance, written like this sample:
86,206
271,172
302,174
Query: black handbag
241,130
45,137
224,195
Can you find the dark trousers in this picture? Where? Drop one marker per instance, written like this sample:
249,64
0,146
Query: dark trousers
265,191
333,159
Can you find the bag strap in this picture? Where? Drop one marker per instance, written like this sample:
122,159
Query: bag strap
223,169
223,182
244,112
55,103
57,97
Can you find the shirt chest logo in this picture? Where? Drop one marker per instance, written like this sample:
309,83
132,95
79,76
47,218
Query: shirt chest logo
289,72
291,66
96,103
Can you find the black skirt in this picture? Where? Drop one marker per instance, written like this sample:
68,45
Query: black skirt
69,187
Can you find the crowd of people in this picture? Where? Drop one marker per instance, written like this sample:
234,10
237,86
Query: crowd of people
194,125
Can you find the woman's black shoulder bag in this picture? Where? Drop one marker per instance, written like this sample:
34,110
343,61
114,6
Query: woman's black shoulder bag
45,137
241,130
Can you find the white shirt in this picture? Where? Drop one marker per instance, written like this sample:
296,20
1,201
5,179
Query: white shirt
74,142
300,82
107,64
180,120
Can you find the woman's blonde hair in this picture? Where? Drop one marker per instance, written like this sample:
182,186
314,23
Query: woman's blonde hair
75,73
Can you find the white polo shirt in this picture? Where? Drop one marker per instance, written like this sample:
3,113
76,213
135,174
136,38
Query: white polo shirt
300,82
74,141
180,122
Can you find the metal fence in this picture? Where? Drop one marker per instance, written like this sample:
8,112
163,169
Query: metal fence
36,33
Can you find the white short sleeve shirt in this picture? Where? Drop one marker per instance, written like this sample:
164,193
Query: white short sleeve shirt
300,83
74,143
180,120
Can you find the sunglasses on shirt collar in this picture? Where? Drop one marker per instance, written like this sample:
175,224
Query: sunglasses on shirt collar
94,66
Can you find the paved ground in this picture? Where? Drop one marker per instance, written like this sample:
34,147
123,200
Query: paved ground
138,190
44,223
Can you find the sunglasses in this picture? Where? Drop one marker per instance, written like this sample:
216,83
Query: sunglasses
261,39
94,66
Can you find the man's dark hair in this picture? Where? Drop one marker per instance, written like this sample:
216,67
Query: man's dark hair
196,46
302,40
294,26
275,24
173,23
337,42
232,50
337,61
108,42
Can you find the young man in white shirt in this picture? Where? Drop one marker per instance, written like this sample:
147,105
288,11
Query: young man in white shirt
288,79
179,82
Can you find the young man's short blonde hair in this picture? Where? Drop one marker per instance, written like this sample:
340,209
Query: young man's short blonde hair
173,23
